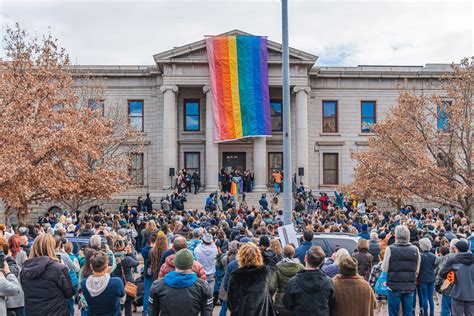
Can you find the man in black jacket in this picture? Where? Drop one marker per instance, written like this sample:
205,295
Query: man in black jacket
181,292
310,291
197,182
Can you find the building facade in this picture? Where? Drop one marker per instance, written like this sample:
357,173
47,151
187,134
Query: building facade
332,109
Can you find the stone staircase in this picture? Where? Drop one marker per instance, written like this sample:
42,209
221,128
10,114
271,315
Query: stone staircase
198,201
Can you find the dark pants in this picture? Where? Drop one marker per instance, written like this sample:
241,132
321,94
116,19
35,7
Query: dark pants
197,186
127,307
19,311
394,299
462,308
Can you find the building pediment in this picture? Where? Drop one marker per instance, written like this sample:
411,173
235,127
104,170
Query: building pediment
194,53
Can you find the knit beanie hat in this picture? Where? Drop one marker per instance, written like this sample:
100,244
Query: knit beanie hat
184,259
348,266
462,246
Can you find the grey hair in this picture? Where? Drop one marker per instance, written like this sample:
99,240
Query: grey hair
95,241
402,233
425,244
374,236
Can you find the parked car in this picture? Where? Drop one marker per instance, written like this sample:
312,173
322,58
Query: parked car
330,242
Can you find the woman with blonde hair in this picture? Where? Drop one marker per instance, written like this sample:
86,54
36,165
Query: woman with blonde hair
42,271
150,229
332,268
249,286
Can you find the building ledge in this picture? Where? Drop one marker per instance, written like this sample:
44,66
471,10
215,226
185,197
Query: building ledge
329,134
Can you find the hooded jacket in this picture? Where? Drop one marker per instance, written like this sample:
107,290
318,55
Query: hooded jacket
310,292
463,267
180,294
249,292
9,286
285,270
47,287
168,267
206,255
103,295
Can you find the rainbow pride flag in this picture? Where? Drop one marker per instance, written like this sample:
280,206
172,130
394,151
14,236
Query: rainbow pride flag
239,81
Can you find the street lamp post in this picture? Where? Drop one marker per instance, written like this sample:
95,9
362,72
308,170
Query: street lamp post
287,185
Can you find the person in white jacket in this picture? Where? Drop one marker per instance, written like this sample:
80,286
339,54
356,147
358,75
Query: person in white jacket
206,253
9,286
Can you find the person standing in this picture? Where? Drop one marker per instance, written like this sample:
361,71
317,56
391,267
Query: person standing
147,271
364,258
462,294
311,291
277,178
181,292
401,263
249,286
44,271
352,294
148,204
9,287
102,292
196,181
206,254
306,244
426,277
285,270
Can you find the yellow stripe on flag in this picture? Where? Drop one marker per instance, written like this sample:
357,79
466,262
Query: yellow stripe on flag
234,82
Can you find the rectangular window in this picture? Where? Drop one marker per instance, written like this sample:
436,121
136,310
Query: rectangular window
443,120
192,117
276,114
135,114
275,162
192,162
136,169
96,105
330,168
367,115
329,116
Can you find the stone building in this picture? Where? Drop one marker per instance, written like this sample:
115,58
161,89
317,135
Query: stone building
331,109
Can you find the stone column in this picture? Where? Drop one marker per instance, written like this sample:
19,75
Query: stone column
212,148
260,164
302,153
170,124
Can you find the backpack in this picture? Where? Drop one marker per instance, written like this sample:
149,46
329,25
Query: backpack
381,285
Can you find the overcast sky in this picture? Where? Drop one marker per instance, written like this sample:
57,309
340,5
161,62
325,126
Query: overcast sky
346,33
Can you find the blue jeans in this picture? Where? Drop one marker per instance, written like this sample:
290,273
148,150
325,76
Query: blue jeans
223,311
427,292
394,299
445,305
70,303
277,188
146,294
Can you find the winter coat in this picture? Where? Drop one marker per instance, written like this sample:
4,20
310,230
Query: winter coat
270,258
285,270
374,250
309,292
103,298
427,267
180,294
18,300
206,255
168,267
47,286
352,296
364,265
249,292
463,267
331,269
300,252
128,262
9,286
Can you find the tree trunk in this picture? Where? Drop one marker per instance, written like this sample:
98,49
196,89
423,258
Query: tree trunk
22,212
6,215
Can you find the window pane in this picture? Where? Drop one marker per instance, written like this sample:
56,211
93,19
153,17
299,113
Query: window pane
136,122
192,123
192,108
275,161
275,108
136,108
330,177
329,109
330,125
330,161
368,109
443,120
191,160
367,123
277,124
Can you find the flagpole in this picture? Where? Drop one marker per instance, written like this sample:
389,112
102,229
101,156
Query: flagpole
287,185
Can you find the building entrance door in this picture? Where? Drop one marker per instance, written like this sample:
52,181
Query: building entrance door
234,161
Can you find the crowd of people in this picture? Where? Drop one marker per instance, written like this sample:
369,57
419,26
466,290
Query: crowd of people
228,258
